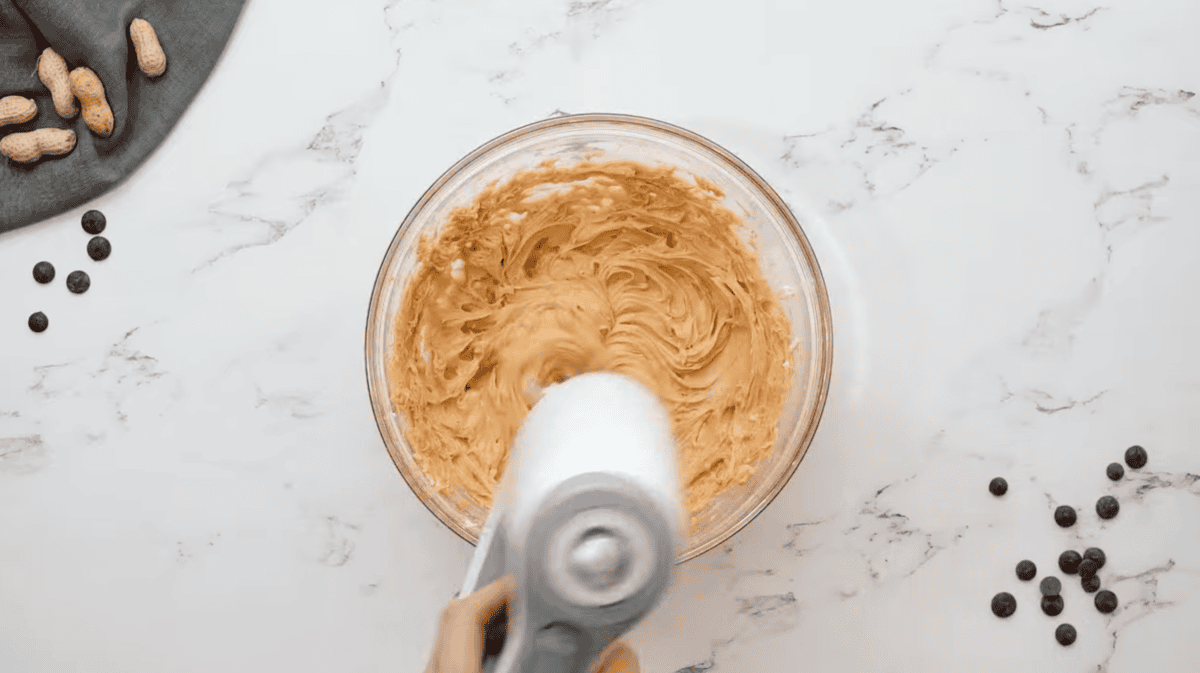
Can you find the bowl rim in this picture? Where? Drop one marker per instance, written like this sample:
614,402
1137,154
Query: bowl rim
823,364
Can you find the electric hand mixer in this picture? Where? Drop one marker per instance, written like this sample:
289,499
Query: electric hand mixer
587,520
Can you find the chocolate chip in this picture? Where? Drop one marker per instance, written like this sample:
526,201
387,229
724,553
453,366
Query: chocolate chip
1052,605
1065,634
1097,555
94,222
99,248
1003,604
1068,561
1107,507
1135,457
1064,516
78,282
1115,471
38,322
998,487
1050,586
43,272
1026,570
1090,584
1088,568
1106,601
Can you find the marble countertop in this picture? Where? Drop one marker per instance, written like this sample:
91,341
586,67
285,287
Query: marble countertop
1004,201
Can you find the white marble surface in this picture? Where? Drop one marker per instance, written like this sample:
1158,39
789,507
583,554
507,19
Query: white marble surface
1004,200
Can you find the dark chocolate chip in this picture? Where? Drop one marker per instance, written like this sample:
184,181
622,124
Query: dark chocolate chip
1068,561
1115,471
78,282
1065,634
38,322
1088,568
1064,516
1003,604
1135,457
1097,555
1052,605
998,486
1026,570
94,222
1106,601
43,272
99,248
1090,584
1050,586
1107,507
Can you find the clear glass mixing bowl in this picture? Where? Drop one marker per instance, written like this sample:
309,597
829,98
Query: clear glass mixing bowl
785,257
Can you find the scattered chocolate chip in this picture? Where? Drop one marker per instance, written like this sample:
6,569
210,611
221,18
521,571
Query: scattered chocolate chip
998,487
1050,586
1052,605
1097,555
1068,561
1088,568
1090,584
1107,507
78,282
1064,516
43,272
1115,471
94,222
99,248
1135,457
1065,634
1106,601
1003,604
1026,570
38,322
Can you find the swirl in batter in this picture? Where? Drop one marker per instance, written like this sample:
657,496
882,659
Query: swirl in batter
599,266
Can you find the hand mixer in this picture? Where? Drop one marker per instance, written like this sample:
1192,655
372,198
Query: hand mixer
587,520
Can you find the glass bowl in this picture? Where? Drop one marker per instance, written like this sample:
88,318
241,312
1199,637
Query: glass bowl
784,255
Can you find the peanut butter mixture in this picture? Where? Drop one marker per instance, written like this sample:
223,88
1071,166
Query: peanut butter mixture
600,266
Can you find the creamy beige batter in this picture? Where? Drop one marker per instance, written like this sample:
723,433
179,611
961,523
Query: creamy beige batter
601,266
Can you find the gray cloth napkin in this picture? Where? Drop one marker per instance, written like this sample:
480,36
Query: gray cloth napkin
95,33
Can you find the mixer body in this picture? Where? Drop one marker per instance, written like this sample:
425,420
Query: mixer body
588,521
